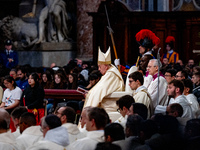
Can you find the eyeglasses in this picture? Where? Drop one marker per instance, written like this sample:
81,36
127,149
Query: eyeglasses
167,75
118,110
148,67
130,81
57,113
177,76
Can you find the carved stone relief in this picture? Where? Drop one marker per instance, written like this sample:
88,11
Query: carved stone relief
191,5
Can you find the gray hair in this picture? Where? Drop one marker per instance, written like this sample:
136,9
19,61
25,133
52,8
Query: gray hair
156,62
87,107
51,121
4,115
43,122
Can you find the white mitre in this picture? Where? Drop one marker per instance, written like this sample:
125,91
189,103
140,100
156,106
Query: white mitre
104,58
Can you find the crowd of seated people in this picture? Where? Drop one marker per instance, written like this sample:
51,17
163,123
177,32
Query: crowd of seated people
140,127
74,74
58,130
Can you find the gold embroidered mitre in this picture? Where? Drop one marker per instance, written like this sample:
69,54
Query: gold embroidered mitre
104,58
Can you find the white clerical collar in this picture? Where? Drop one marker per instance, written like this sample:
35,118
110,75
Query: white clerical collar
140,88
171,51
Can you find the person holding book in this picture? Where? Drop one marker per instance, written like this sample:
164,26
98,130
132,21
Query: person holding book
111,81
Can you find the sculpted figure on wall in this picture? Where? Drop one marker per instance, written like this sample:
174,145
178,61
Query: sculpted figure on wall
52,26
178,4
20,32
54,13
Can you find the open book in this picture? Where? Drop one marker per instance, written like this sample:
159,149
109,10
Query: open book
81,90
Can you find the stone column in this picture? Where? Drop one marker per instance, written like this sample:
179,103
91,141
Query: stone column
163,5
85,29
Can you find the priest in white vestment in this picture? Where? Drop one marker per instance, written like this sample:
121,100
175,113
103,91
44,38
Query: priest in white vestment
175,90
30,133
187,109
7,139
151,83
16,113
110,82
16,133
140,94
55,136
67,117
192,99
55,139
29,136
96,120
147,41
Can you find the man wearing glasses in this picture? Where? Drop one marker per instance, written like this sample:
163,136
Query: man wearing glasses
140,92
181,75
124,103
170,75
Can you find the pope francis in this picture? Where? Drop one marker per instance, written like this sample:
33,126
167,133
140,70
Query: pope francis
111,81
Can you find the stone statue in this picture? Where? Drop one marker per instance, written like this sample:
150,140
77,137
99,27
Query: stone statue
16,29
53,22
52,26
31,14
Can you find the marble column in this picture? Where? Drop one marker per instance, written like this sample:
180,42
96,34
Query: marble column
85,29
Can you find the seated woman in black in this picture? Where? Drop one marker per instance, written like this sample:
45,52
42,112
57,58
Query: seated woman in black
73,78
46,82
33,97
59,81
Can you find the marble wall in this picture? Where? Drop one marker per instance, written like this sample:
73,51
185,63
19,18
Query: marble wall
84,25
84,28
45,58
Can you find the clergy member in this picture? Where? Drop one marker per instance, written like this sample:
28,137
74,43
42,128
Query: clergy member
151,83
111,81
140,93
146,40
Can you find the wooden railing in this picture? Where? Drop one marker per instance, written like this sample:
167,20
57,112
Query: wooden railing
63,94
60,95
